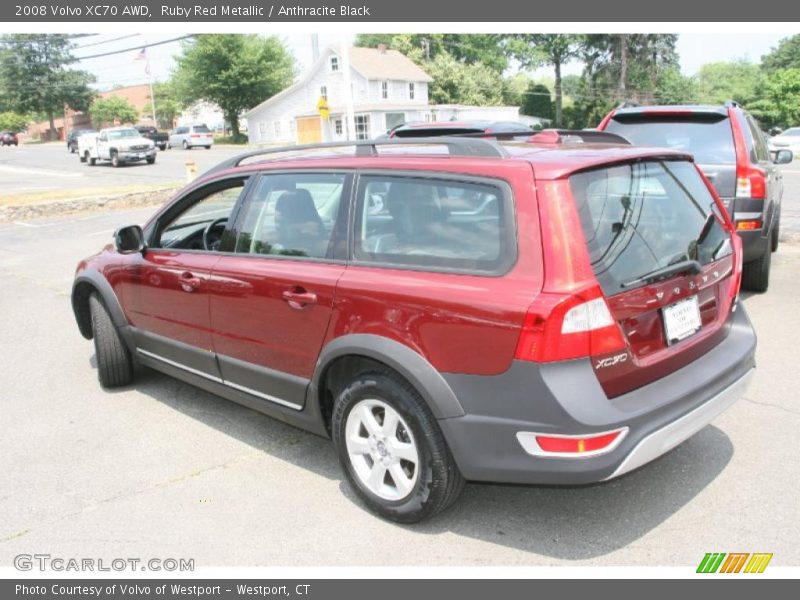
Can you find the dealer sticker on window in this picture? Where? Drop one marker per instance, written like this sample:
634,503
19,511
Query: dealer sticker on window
682,319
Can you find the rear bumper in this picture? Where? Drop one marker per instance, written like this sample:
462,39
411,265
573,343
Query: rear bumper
754,244
566,399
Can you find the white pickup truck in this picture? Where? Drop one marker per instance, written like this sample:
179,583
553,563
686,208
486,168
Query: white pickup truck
119,145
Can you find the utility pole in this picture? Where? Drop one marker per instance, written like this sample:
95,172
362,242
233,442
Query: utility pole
350,121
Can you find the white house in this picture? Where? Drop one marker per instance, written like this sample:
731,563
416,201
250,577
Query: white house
387,89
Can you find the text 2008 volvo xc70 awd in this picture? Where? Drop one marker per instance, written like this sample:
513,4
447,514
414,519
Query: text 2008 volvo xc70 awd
555,310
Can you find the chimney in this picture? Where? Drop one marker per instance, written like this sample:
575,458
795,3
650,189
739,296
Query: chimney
382,48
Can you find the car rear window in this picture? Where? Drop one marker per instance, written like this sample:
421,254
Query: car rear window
707,136
641,217
201,129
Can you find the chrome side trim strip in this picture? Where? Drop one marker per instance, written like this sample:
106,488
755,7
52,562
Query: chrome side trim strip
229,384
178,365
669,436
252,392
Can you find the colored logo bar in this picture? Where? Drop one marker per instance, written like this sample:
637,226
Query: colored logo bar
734,562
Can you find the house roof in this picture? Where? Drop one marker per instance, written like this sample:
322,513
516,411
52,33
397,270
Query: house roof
374,63
371,63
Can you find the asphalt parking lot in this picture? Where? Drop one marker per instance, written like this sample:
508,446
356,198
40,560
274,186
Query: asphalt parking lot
48,167
162,469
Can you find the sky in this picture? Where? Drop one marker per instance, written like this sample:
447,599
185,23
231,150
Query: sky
122,70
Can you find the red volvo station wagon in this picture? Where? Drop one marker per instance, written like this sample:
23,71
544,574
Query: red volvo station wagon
558,310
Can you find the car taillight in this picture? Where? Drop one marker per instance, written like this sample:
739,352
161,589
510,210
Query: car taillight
570,318
576,326
749,225
196,135
751,181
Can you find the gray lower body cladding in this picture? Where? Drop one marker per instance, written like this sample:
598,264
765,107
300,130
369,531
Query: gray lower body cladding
566,398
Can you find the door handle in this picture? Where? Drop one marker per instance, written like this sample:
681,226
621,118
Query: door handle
299,298
189,282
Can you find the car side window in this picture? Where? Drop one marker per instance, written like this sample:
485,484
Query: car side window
431,223
293,215
762,152
201,223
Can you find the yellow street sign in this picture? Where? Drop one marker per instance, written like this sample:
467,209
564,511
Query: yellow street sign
323,108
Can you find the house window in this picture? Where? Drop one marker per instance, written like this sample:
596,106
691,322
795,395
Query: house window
323,91
362,127
384,89
277,129
334,64
411,90
338,127
262,128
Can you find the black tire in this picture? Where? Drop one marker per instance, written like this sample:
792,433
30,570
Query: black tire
208,147
151,161
439,482
115,160
114,367
755,274
186,145
776,232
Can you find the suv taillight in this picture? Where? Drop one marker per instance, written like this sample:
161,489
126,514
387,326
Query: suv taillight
751,181
575,326
570,318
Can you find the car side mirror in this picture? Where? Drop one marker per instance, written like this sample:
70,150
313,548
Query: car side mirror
129,240
783,157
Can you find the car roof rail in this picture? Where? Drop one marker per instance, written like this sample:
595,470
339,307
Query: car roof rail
627,104
559,136
732,103
456,146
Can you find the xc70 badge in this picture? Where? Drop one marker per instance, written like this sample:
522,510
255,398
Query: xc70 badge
611,360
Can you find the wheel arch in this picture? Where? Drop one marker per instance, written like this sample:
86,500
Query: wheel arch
349,354
83,287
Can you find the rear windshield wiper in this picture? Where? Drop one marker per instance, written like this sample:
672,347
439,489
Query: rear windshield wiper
684,266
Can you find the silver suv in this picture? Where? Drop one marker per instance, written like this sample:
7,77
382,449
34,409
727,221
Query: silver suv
189,136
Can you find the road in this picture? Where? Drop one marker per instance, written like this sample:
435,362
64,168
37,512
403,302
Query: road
161,469
41,168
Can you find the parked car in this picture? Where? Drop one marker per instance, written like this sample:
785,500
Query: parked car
119,145
73,135
551,312
787,140
8,138
189,136
159,138
438,128
729,146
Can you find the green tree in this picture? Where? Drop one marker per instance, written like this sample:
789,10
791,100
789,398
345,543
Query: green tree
234,71
537,101
168,107
780,104
738,80
456,82
15,122
107,111
785,56
488,49
556,50
514,89
675,88
35,76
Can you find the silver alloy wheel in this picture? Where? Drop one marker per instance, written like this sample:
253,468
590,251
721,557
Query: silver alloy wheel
382,449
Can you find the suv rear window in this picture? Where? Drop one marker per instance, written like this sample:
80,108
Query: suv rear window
201,129
641,217
707,136
439,224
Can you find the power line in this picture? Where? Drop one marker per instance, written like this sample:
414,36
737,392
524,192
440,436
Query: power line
116,39
133,49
